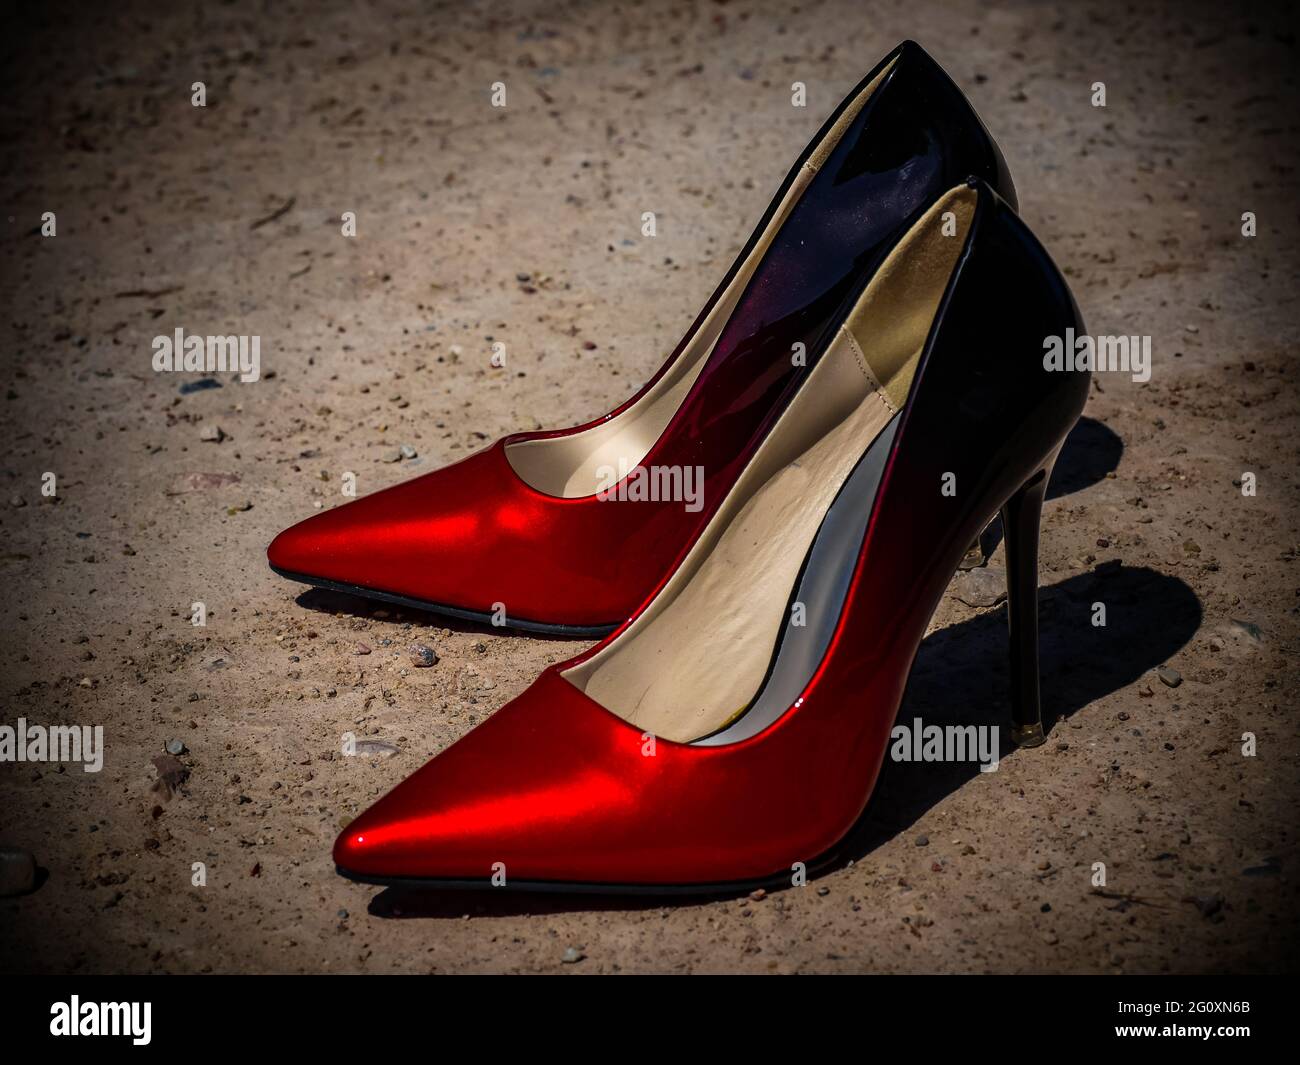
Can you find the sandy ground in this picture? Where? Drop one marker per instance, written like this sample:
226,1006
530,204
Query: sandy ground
384,339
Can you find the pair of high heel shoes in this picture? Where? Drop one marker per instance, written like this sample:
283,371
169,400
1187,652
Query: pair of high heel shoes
863,393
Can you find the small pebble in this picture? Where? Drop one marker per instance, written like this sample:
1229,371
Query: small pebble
175,747
1170,678
981,587
212,434
422,657
922,841
408,452
572,956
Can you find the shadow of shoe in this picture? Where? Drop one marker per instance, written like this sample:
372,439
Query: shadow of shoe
960,678
1091,451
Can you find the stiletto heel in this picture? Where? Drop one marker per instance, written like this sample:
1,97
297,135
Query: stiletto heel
1020,523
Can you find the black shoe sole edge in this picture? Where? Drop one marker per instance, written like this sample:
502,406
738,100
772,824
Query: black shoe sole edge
728,888
517,624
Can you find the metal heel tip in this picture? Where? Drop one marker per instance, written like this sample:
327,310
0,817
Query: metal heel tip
1028,735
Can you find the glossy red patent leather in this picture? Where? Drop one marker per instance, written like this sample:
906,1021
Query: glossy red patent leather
559,789
473,535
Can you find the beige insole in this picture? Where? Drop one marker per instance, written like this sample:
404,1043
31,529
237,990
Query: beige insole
695,658
578,465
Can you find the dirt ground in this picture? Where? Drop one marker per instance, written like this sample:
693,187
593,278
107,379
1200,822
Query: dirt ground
522,225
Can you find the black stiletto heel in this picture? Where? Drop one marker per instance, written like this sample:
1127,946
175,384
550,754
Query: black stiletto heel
1021,515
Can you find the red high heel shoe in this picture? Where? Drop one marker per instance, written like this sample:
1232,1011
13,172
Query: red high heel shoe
714,741
520,529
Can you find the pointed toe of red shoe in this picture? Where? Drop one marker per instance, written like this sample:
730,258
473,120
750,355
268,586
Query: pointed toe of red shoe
418,542
554,790
293,553
489,806
412,833
369,849
359,544
470,540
